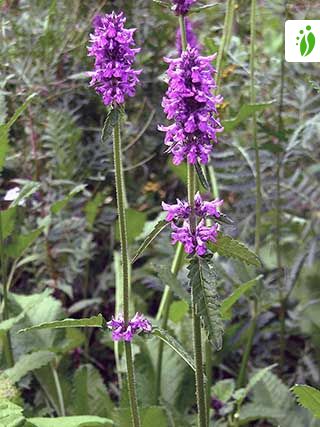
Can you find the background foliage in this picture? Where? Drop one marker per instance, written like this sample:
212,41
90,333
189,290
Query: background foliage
63,246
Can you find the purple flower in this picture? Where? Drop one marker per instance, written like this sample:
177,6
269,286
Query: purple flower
194,240
181,7
192,39
190,103
121,332
111,45
180,210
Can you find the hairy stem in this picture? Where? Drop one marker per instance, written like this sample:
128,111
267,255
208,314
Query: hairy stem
196,324
254,124
121,204
282,298
246,354
6,339
197,349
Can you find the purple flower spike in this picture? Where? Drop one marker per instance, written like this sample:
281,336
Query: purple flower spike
111,45
192,39
189,102
181,7
194,241
136,325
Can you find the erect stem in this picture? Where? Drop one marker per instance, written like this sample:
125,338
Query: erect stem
245,358
164,314
282,298
59,390
125,268
253,321
225,41
6,339
254,124
196,323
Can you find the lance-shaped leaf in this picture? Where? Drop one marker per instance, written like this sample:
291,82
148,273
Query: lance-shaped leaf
149,239
88,322
16,248
74,421
113,116
244,113
308,397
203,283
232,248
28,363
169,279
202,178
174,344
228,303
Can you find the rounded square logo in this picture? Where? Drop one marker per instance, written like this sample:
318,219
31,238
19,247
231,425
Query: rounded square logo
302,41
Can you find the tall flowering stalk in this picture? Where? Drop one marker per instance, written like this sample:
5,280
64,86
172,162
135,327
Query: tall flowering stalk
190,103
115,79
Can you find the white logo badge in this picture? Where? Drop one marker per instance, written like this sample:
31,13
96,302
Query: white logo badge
302,41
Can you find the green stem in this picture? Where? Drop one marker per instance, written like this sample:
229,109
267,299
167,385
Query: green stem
164,314
245,358
225,41
282,298
59,391
197,349
197,341
6,339
121,203
254,124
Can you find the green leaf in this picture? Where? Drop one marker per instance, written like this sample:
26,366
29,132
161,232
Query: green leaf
308,397
57,206
135,224
16,248
11,415
89,322
169,279
202,178
273,148
20,110
203,282
8,218
81,421
228,303
223,390
28,363
149,239
113,116
28,188
231,248
255,411
244,113
174,344
92,207
178,310
90,395
4,144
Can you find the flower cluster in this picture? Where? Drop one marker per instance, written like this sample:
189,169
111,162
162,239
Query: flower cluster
121,332
181,7
194,239
189,101
192,39
111,45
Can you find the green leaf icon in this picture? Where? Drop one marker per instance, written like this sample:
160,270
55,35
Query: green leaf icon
307,44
